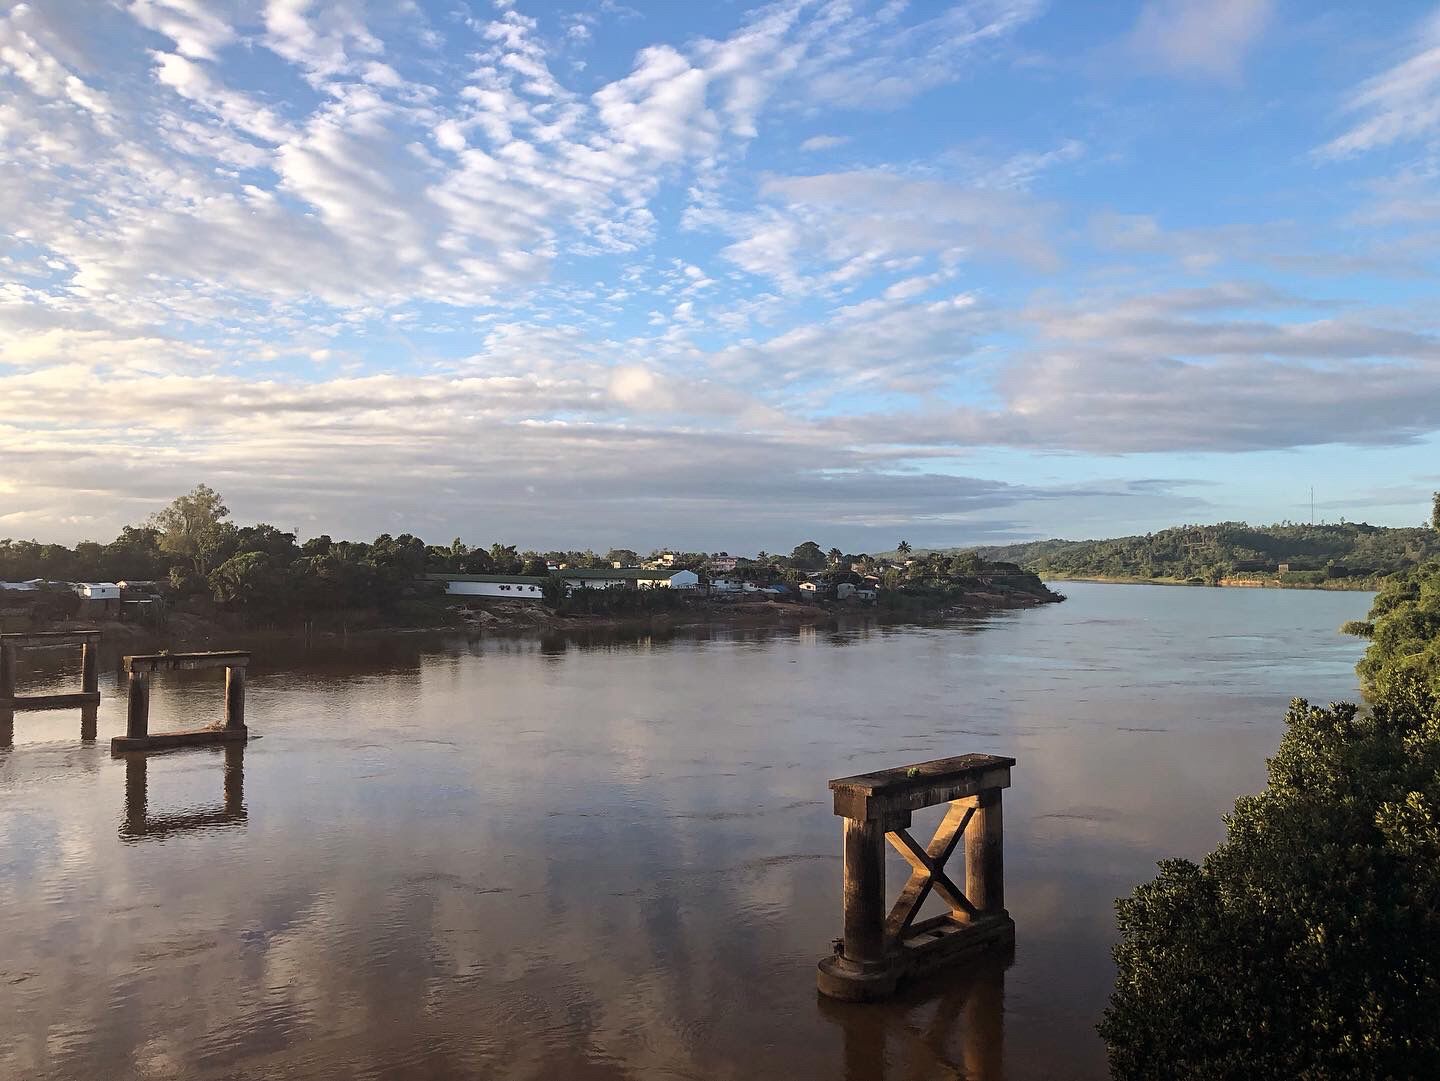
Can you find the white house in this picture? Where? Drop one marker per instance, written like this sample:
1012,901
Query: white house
683,580
632,577
725,585
723,563
810,587
844,591
519,587
97,591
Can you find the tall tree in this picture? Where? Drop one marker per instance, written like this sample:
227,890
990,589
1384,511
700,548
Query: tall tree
904,548
193,527
808,556
1435,511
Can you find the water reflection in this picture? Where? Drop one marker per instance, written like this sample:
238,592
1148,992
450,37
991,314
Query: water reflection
950,1026
138,823
89,723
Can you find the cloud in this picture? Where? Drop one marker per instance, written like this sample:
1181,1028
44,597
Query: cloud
875,62
1170,372
197,31
825,229
1203,38
1401,104
824,142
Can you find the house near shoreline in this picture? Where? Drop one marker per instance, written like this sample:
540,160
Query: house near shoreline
521,587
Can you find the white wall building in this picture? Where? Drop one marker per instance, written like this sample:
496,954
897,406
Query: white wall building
97,591
505,587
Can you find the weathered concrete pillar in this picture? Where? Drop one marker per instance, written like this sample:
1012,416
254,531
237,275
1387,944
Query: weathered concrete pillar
234,698
985,854
865,908
89,667
7,726
7,670
137,717
89,722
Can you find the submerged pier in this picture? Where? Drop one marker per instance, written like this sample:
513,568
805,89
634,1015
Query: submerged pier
882,947
88,698
232,728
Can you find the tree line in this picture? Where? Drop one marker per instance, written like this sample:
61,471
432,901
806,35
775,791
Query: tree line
268,576
1313,553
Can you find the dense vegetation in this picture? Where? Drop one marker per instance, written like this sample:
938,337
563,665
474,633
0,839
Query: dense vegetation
263,576
1308,944
1350,552
1403,627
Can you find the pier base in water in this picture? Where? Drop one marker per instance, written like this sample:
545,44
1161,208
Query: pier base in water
881,950
137,735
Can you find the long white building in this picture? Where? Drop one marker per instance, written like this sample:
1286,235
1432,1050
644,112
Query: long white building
520,587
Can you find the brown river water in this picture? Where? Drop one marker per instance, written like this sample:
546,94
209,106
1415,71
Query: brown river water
616,857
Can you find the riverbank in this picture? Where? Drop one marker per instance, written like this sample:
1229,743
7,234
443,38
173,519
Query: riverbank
1338,585
217,629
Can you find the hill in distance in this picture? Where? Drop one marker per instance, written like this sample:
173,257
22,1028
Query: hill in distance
1354,553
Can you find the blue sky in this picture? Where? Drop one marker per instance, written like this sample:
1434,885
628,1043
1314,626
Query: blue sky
716,275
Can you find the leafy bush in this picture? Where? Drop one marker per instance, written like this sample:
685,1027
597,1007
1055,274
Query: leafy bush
1404,632
1308,944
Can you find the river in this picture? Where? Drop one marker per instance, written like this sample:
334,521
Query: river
616,858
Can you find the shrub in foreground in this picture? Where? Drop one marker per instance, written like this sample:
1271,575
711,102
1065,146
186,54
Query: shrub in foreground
1308,944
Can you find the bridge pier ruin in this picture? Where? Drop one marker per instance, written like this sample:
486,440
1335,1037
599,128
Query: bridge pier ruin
883,945
232,728
87,701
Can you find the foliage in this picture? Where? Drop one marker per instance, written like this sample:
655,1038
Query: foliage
1315,554
1307,945
1404,631
807,556
193,527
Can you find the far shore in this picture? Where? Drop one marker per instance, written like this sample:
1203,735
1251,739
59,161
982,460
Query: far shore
521,619
1344,585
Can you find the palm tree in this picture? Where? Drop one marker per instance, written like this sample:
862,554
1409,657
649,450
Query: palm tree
903,548
835,555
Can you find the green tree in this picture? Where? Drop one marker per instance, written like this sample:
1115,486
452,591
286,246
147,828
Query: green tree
504,559
966,565
903,548
1435,512
250,583
1308,944
193,527
808,556
834,556
553,591
1404,631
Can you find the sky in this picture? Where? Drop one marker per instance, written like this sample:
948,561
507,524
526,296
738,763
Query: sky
718,276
